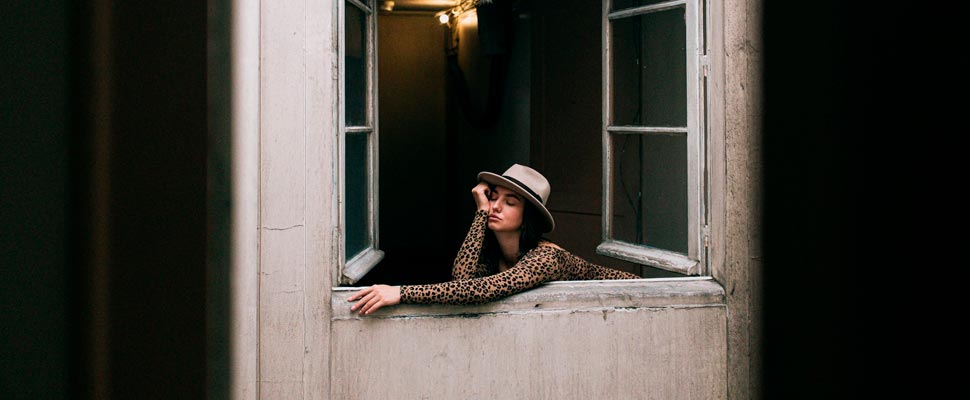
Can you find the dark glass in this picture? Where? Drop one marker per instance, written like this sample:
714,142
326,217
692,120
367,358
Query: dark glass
623,4
649,69
650,190
356,206
355,65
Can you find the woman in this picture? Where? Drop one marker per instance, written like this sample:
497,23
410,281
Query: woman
506,258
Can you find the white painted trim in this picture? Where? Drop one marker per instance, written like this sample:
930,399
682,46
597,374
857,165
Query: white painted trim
662,130
358,129
361,6
654,257
696,134
245,156
696,137
350,271
632,12
362,263
341,144
558,296
374,175
607,197
716,167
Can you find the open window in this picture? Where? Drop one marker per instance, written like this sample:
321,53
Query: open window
357,142
608,99
654,134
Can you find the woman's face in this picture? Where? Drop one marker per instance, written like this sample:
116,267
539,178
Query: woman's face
507,209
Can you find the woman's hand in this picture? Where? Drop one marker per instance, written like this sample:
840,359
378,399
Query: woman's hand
375,297
481,193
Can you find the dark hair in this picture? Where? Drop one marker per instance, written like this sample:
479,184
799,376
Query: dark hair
533,225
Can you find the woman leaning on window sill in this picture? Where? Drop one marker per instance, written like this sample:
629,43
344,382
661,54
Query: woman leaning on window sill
504,252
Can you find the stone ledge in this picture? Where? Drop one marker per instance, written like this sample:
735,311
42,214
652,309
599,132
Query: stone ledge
559,296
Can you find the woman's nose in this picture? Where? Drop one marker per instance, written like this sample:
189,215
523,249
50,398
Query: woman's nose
496,205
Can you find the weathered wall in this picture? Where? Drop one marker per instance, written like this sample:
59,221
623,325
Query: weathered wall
297,128
737,260
634,340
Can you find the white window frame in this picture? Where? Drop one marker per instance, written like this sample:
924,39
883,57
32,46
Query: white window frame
352,270
696,131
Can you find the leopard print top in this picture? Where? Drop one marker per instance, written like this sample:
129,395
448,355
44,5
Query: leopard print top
473,284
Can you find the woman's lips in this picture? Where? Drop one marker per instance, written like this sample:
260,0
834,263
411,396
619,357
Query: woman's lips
493,218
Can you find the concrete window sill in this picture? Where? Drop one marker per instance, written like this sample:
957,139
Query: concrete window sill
559,296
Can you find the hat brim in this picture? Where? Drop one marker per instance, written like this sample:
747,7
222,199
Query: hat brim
499,180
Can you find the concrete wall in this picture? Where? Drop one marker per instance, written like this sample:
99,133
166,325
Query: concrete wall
630,340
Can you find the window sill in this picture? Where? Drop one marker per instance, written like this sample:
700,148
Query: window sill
559,296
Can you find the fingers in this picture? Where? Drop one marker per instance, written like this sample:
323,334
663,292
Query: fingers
481,195
481,188
361,293
370,300
360,304
372,304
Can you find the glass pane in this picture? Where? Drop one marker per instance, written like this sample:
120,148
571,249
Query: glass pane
650,69
355,64
650,190
356,206
621,4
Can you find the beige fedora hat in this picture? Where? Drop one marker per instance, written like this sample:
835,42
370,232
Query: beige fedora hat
528,183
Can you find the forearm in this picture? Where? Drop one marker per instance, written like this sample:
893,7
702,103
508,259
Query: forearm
466,265
465,291
538,266
597,272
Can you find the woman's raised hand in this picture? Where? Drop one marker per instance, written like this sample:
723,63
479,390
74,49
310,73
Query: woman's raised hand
375,297
481,193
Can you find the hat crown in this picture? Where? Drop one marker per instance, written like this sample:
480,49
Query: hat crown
528,183
530,179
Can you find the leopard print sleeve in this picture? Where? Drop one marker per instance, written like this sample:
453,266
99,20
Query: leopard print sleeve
466,264
596,272
542,264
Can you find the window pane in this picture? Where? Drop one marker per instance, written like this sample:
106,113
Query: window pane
356,206
355,64
649,69
650,190
622,4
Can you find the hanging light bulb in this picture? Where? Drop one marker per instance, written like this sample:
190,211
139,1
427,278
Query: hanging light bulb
443,18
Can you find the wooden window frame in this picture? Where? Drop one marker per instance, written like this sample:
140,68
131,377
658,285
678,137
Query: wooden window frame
695,262
352,270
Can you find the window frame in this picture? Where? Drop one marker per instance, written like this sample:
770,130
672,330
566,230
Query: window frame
696,261
351,270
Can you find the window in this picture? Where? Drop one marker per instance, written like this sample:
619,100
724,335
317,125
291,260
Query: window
654,134
358,141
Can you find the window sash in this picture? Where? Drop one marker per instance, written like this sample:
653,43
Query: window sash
353,269
695,262
637,11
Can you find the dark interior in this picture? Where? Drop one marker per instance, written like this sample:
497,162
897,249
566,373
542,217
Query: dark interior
521,87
